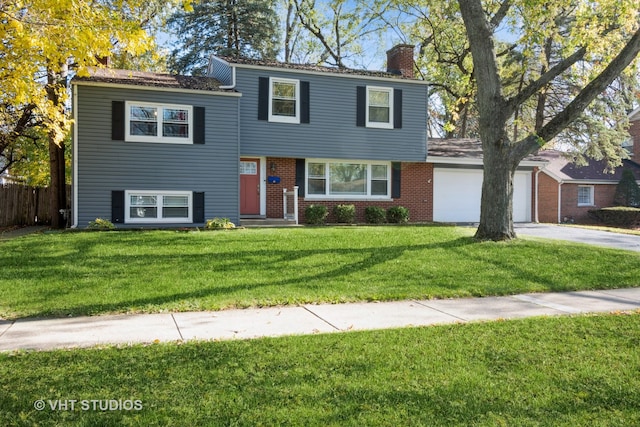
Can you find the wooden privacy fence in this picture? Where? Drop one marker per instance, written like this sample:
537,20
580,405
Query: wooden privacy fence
24,205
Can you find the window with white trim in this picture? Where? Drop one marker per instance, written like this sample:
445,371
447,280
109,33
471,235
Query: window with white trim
284,100
379,112
585,195
335,179
149,122
154,206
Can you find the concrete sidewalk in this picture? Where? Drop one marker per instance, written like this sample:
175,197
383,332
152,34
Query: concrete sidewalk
47,334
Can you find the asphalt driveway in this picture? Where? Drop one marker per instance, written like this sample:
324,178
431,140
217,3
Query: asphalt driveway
581,235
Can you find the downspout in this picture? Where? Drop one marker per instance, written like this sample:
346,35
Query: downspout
233,79
535,207
560,202
74,160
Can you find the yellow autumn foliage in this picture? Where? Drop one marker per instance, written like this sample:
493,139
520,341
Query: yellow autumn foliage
40,36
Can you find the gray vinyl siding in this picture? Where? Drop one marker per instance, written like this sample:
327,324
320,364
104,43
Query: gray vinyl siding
104,165
332,131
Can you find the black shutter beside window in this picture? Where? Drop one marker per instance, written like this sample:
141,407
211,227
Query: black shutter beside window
300,167
117,207
263,98
198,207
304,103
117,120
361,106
396,179
397,108
198,125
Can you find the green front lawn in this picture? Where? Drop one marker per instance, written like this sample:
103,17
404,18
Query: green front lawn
563,371
79,273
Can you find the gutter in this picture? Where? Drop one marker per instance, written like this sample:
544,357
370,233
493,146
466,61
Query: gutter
233,79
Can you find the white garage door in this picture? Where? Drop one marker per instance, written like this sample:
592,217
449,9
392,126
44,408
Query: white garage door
457,193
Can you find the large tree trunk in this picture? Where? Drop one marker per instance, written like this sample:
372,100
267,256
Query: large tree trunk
55,82
58,184
496,207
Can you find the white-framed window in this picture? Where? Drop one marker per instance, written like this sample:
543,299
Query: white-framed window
158,206
284,100
585,195
150,122
379,112
348,179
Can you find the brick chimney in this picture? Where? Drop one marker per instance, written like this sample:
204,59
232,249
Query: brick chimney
400,60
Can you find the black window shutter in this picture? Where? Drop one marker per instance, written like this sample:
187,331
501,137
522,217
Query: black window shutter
361,107
198,207
117,207
304,103
117,120
300,166
397,108
396,179
198,125
263,98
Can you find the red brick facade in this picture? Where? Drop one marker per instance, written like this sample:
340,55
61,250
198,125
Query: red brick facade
548,188
547,198
416,192
603,195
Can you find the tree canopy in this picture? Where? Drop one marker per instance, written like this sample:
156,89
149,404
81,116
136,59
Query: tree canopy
247,28
42,41
589,44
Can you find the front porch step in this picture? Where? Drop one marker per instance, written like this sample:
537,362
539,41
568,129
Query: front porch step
267,222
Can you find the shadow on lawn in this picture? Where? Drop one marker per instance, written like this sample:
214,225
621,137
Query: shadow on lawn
117,272
84,271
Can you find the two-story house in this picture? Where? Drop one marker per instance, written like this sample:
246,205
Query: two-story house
340,136
164,150
156,150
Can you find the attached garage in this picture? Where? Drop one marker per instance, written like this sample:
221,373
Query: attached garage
457,193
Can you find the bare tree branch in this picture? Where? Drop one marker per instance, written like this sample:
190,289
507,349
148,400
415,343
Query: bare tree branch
582,100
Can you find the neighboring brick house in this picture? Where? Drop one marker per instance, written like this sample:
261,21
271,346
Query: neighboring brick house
566,192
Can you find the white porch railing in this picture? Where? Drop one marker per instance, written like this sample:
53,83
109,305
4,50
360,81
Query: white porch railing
285,195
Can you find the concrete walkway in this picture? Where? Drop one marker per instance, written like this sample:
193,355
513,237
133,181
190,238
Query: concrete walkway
47,334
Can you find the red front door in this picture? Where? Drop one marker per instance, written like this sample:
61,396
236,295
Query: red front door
249,186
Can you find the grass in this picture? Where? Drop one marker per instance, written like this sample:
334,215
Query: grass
560,371
90,273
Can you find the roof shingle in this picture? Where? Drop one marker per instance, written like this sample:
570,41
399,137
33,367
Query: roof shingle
140,78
